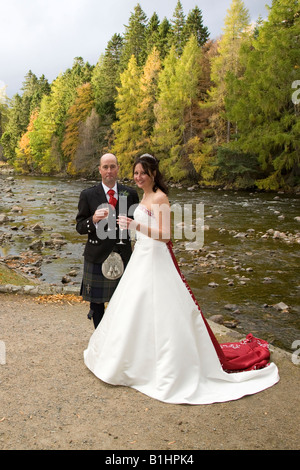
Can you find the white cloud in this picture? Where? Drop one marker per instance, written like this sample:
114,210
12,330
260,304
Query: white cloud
46,35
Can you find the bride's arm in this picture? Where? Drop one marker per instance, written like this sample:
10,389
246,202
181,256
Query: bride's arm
162,214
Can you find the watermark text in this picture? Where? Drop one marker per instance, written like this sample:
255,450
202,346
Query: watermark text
2,353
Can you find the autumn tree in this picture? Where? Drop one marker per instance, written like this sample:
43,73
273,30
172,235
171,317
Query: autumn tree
76,115
148,97
177,85
126,128
236,30
41,138
86,158
24,161
48,134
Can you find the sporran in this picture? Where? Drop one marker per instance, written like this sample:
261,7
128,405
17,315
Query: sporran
113,266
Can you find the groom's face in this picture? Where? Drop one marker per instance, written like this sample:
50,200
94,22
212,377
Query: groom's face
109,169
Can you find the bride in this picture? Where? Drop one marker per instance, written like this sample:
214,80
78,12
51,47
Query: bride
153,336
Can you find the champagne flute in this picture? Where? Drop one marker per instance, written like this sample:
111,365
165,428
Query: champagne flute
105,206
123,227
102,227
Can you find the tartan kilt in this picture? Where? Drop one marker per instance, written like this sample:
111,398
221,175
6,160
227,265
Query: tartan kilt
95,287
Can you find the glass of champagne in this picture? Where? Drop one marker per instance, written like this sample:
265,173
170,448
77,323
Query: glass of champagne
102,227
123,227
105,207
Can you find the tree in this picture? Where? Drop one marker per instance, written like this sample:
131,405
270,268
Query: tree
267,118
3,115
178,84
33,90
135,38
126,128
16,123
178,38
236,31
194,25
24,161
148,97
105,79
165,133
49,127
76,115
41,138
164,33
200,146
86,158
152,33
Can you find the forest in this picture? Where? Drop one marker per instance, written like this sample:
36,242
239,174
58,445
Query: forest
217,112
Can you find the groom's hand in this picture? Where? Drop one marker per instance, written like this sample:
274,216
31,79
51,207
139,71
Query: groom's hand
99,215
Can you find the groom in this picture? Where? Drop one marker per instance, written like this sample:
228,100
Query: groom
95,288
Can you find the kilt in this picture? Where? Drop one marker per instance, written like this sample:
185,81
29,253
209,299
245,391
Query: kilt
95,287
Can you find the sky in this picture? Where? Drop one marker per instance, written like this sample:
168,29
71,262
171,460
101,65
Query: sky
45,36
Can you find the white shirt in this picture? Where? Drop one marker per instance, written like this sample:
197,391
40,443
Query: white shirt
106,189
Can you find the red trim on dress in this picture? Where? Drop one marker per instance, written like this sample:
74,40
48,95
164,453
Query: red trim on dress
248,354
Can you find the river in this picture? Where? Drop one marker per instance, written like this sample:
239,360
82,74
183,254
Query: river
241,272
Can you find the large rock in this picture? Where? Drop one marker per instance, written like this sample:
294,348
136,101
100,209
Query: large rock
3,218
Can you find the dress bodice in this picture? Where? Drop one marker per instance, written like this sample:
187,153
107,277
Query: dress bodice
146,218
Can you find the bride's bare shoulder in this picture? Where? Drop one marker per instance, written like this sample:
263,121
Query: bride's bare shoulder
160,198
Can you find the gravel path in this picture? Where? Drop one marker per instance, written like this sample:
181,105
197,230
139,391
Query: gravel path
50,400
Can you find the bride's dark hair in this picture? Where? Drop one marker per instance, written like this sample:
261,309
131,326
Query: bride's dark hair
150,165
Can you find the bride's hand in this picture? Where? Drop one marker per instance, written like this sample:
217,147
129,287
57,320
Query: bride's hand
126,223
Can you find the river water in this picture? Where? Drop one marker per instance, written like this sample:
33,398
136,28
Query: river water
240,272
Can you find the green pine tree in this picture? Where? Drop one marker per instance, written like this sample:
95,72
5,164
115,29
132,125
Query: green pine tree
152,33
178,22
106,77
164,33
194,25
261,103
135,38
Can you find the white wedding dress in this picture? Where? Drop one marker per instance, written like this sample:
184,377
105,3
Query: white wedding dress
154,339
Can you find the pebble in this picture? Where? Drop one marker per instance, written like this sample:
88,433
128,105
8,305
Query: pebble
281,306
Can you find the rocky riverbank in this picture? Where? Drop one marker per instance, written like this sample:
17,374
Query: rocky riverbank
242,269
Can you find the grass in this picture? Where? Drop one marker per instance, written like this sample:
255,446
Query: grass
9,276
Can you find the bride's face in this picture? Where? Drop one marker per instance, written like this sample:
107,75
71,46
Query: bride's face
141,178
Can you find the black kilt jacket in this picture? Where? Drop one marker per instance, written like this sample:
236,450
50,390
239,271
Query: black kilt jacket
97,250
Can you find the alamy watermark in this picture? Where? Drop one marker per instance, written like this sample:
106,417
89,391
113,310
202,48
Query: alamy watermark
186,221
2,353
296,94
296,354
